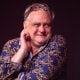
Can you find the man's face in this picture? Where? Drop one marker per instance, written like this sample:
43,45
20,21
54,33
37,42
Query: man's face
38,24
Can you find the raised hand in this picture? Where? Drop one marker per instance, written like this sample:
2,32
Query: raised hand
25,41
24,49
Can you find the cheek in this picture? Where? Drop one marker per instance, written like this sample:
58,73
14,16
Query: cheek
48,31
32,32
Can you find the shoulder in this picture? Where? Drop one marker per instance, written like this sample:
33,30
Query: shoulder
57,45
58,39
14,41
12,44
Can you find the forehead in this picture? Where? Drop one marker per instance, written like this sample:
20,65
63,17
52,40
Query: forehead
39,15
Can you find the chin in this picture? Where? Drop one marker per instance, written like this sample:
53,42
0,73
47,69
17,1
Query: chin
42,42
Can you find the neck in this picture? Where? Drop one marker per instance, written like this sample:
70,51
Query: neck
34,49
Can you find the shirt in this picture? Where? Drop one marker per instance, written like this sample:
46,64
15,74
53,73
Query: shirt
42,66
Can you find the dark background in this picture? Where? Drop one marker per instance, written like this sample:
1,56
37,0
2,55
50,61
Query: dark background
66,23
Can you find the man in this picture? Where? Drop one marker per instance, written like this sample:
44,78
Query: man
38,54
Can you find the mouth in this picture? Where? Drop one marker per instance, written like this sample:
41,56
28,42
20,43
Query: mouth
40,34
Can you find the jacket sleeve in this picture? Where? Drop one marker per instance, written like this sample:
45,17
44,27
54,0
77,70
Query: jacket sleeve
7,67
50,61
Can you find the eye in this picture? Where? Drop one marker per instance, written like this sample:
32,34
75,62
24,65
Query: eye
36,25
47,25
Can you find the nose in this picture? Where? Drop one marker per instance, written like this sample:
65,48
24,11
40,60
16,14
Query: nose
41,28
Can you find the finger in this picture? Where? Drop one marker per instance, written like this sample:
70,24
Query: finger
25,35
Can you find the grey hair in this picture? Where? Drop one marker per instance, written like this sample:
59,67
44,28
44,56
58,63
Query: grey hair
36,7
